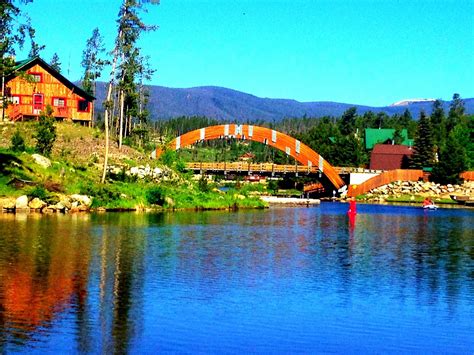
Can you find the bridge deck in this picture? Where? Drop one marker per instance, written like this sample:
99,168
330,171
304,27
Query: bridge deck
269,168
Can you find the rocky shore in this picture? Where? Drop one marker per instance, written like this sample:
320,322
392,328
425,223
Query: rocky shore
290,201
422,189
72,203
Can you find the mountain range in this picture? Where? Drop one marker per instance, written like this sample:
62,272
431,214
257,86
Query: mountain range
231,105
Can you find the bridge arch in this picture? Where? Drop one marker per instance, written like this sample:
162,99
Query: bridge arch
287,144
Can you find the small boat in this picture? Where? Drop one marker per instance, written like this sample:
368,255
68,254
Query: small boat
463,200
430,207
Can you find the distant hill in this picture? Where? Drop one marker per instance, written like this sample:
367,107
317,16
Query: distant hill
227,104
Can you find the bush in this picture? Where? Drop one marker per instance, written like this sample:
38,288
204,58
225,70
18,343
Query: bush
272,185
17,142
102,195
168,157
203,184
45,132
39,192
155,196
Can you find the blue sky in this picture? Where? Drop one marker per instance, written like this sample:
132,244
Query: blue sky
363,52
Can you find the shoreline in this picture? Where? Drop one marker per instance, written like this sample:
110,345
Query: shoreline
286,204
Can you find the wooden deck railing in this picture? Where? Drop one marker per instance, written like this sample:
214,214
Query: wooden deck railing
15,113
251,167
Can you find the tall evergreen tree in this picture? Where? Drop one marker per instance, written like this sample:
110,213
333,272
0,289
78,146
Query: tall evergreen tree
35,48
380,120
438,122
423,154
131,64
55,63
14,26
130,26
93,61
348,120
452,161
456,112
397,136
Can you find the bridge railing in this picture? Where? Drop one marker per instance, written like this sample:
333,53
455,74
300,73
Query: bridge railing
269,167
251,167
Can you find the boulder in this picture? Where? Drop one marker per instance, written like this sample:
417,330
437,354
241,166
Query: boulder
66,203
41,160
37,204
82,199
169,201
8,203
60,206
21,202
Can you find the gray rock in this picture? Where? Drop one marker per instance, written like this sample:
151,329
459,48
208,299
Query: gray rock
169,201
41,160
82,199
21,202
66,202
8,203
37,204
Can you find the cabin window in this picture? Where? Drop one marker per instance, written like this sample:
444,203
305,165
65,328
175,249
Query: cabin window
83,105
14,100
36,77
59,102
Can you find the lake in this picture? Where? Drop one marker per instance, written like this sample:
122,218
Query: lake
283,280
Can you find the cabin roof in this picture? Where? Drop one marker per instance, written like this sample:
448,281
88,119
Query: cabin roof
376,135
30,62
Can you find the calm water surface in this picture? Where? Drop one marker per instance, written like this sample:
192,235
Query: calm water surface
395,279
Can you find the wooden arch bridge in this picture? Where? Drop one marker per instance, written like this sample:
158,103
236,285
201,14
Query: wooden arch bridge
306,156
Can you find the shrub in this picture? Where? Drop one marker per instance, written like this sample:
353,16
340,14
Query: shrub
45,132
272,185
203,185
18,142
39,192
168,157
102,195
155,196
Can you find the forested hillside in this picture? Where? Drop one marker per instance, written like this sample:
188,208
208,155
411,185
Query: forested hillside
226,104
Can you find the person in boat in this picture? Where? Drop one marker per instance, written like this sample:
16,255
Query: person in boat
427,202
352,206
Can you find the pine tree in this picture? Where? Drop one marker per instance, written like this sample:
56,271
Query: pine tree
14,25
55,63
36,48
453,159
456,112
130,26
92,61
423,154
347,122
438,122
397,136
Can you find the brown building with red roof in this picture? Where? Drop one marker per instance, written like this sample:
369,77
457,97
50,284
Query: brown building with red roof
390,156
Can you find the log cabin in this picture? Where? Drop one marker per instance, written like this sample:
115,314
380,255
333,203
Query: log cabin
34,84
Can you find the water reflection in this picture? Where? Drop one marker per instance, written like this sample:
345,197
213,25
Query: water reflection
174,282
43,266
